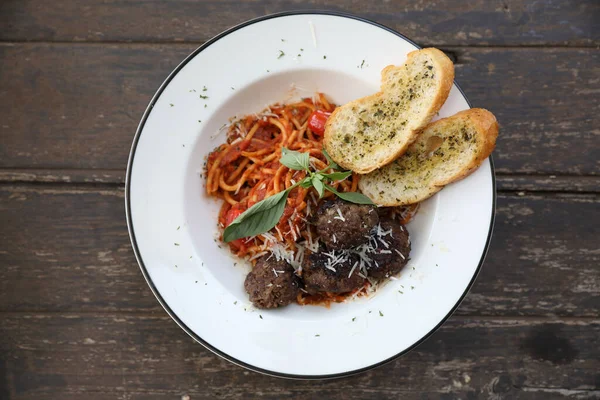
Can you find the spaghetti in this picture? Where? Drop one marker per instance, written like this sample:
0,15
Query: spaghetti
246,170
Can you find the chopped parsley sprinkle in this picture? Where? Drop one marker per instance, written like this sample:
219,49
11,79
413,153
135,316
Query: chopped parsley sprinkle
380,313
362,64
260,316
299,55
179,227
235,302
203,97
400,291
232,88
317,335
176,244
353,319
196,282
171,104
324,57
205,106
268,71
301,49
192,90
412,288
204,89
369,311
183,145
283,40
281,54
190,257
199,120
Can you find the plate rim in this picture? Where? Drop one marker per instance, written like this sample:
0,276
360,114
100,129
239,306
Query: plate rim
142,266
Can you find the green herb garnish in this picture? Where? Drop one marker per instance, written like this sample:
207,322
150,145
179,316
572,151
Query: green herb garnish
265,214
281,54
203,97
295,160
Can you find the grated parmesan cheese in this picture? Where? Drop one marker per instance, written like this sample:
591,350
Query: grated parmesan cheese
339,216
352,270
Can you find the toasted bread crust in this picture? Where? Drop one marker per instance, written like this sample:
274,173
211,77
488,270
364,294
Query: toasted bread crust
445,79
484,125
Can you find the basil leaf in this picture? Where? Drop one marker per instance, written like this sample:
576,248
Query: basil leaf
294,160
352,197
338,176
259,218
318,185
305,183
332,163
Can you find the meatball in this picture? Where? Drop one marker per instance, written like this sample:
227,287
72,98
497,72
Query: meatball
330,272
392,247
342,225
272,283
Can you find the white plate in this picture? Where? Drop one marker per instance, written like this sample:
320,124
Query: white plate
172,222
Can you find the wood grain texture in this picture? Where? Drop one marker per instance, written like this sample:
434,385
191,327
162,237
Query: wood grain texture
82,119
445,22
66,249
149,357
77,176
548,183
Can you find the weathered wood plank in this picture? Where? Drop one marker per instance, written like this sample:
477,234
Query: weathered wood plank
531,93
445,22
513,183
133,357
544,98
547,183
545,249
77,176
67,249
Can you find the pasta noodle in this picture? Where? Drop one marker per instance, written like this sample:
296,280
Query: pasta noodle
246,170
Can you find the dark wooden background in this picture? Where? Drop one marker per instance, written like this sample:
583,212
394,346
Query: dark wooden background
77,320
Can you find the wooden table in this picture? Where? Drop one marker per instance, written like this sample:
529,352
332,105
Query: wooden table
77,320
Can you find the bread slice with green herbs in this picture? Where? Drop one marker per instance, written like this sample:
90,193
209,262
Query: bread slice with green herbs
370,132
446,151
